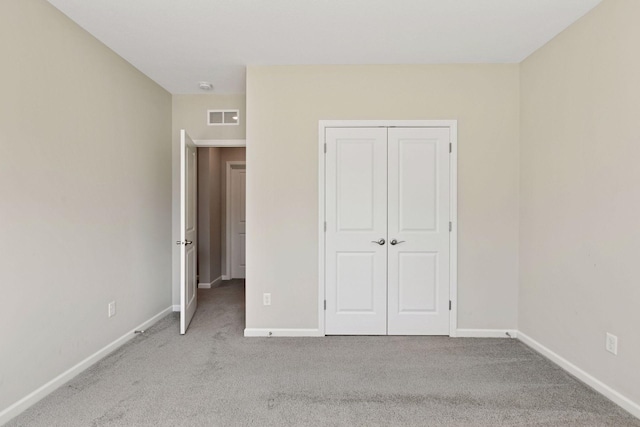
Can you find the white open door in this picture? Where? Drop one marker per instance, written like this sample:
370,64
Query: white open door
188,232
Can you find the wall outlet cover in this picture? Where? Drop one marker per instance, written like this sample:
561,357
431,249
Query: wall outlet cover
111,309
611,344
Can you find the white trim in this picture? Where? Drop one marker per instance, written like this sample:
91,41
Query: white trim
615,396
453,236
388,123
226,277
264,332
227,243
453,213
217,282
213,284
220,142
41,392
175,308
322,164
486,333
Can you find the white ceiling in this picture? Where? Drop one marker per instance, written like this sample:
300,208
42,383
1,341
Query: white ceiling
178,43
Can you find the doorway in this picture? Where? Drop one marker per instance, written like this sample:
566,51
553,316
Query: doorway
388,251
202,210
220,201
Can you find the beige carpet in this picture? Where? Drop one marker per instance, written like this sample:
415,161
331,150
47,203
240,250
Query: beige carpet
215,377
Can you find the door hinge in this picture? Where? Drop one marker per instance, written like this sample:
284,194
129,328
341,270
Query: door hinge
325,148
450,226
450,147
449,305
325,304
325,226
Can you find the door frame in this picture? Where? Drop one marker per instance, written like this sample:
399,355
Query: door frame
175,203
232,164
453,205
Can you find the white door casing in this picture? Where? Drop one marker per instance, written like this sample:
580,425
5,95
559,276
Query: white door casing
418,168
188,230
238,220
418,219
356,215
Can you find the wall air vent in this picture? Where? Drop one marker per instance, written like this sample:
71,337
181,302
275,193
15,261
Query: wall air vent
223,117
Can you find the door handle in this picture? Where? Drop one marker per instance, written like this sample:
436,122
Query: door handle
396,242
187,242
380,242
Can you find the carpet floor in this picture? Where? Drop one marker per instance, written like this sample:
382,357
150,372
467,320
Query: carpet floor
213,376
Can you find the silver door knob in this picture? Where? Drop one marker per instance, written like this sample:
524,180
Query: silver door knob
380,242
396,242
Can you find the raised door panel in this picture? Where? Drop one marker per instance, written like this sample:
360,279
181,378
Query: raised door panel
190,272
417,282
417,204
355,282
192,188
356,219
355,184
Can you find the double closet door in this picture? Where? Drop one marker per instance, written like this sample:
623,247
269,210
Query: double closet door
387,232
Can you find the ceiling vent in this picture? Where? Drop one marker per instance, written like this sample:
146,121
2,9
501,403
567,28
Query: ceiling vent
223,117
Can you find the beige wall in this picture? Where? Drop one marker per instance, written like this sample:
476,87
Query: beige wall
284,105
85,158
580,194
190,112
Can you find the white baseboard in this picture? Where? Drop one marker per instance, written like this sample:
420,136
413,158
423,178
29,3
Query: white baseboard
175,308
462,333
210,285
263,332
226,277
486,333
35,396
615,396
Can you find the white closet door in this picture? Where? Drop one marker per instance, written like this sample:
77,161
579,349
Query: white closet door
356,248
418,175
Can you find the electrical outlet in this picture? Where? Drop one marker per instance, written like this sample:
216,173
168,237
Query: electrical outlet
612,344
266,299
111,309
